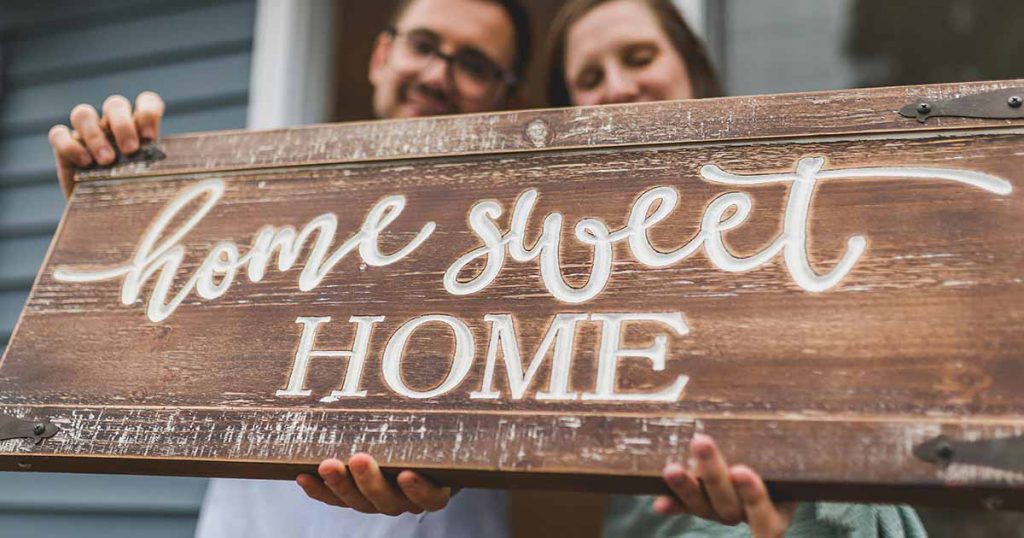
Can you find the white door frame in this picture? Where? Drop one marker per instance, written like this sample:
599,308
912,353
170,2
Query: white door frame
292,63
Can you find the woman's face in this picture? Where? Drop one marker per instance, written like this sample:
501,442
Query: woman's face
618,53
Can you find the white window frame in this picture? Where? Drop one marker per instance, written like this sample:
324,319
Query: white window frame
695,13
292,63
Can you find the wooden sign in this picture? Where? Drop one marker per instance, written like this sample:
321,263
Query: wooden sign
557,298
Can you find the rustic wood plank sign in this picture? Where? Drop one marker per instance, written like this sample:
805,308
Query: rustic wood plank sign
558,299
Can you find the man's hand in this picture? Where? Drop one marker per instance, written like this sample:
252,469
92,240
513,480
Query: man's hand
719,493
360,485
87,141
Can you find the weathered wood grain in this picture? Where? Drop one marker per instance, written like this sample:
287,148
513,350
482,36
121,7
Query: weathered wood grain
922,337
858,459
869,110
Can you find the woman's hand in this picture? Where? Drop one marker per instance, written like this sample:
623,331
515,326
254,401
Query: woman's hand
87,141
728,495
360,485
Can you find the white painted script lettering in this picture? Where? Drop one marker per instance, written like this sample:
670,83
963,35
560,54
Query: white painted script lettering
161,252
224,259
791,242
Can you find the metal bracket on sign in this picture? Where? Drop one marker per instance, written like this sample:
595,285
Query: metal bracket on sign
149,153
17,428
1006,453
995,105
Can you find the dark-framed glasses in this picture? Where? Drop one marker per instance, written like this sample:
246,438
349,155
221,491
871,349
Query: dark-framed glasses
472,74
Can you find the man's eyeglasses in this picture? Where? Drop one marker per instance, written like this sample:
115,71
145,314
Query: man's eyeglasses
472,74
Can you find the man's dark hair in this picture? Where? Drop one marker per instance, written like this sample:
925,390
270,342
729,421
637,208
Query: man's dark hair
516,12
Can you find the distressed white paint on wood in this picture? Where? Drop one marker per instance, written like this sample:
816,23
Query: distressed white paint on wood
706,120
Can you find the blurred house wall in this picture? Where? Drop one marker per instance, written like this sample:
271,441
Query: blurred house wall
55,54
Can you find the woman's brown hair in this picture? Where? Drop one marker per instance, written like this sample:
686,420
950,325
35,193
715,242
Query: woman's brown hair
698,65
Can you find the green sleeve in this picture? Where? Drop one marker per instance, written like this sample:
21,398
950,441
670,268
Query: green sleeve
632,516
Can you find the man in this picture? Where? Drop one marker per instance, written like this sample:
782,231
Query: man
436,57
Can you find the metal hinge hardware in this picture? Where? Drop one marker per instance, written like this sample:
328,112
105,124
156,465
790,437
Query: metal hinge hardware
1006,453
995,105
17,428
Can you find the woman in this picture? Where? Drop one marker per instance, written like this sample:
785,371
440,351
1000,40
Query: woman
603,52
622,51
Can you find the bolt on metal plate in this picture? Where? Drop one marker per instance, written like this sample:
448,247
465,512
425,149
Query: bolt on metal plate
996,105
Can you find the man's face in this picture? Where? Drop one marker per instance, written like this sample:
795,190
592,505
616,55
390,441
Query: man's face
408,81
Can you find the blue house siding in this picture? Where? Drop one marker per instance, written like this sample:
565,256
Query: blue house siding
94,506
56,54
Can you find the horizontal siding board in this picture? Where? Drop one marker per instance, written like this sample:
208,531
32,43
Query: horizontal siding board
98,525
48,104
30,208
20,258
26,18
169,57
11,303
64,492
26,156
228,117
104,47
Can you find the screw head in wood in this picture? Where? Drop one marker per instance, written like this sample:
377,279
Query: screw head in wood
924,108
39,428
1015,101
944,451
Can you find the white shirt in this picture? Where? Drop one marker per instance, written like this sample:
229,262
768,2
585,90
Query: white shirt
272,509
